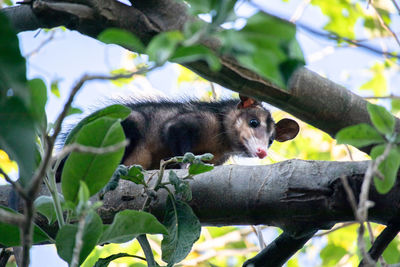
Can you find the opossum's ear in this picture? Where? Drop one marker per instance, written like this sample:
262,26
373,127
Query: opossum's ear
246,102
286,129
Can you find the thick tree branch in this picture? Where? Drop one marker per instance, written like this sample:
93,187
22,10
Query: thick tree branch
292,195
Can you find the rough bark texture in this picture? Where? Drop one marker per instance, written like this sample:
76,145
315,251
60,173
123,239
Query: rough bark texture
309,97
294,195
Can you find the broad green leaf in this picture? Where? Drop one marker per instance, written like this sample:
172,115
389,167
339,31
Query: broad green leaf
10,234
113,111
65,240
104,262
187,54
183,230
163,46
135,175
392,253
74,110
38,101
123,38
17,136
266,45
331,254
359,135
382,119
198,168
45,206
128,224
94,169
388,168
342,16
12,64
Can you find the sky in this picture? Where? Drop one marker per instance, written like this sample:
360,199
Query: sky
70,55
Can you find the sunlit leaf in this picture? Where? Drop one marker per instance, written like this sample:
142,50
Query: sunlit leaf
123,38
359,135
388,168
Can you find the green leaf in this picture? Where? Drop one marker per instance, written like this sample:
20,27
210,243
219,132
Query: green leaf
38,101
94,169
17,136
192,53
123,38
12,64
183,230
135,175
54,89
359,135
65,240
73,110
266,45
45,206
331,254
128,224
113,111
392,253
163,46
200,167
388,168
382,119
10,234
104,262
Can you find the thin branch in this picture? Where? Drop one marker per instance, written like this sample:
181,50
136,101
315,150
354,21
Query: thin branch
89,149
11,218
396,6
41,45
17,187
383,97
299,10
383,24
78,241
342,225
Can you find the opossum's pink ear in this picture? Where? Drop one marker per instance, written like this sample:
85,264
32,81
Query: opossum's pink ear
286,129
247,102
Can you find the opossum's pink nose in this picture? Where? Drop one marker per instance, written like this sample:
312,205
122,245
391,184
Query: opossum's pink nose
261,153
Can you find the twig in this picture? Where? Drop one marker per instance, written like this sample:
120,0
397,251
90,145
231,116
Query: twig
299,10
383,24
396,6
144,243
383,97
350,195
11,218
78,241
349,152
89,149
41,45
17,187
343,225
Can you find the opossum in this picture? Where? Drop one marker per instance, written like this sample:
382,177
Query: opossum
160,130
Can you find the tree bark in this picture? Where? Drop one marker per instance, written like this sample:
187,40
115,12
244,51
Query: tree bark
295,195
309,97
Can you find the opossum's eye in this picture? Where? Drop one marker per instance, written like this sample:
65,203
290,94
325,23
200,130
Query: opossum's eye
254,123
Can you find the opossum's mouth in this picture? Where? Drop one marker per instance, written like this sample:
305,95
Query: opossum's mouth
253,152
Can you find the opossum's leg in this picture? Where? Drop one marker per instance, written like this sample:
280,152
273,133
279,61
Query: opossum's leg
182,135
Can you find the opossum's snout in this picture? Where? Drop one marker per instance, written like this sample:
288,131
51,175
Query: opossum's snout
261,153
